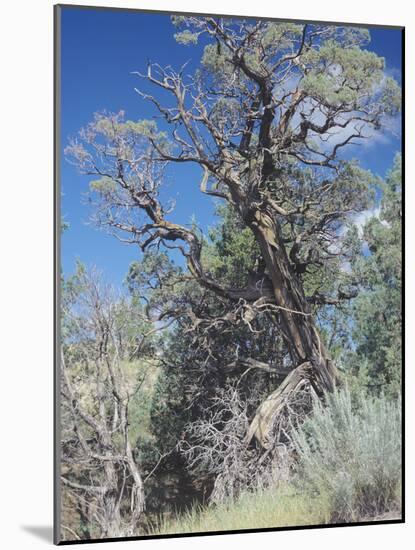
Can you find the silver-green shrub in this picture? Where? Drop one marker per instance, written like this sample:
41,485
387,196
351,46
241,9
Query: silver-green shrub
350,450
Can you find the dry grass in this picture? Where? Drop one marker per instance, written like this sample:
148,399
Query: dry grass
277,507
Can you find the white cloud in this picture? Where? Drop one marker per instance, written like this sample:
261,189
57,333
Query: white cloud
361,218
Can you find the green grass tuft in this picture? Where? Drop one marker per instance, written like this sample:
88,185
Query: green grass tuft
277,507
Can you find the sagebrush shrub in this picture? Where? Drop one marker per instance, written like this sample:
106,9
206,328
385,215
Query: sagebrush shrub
352,452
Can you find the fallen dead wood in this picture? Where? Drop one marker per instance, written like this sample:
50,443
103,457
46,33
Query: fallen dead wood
265,417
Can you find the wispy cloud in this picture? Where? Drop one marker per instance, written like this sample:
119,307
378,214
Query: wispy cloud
361,218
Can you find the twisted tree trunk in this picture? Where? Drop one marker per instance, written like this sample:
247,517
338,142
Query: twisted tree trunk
297,326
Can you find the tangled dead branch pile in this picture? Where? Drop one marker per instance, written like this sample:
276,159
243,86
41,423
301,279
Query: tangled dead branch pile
218,445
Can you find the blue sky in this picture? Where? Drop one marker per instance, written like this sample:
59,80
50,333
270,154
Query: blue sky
100,50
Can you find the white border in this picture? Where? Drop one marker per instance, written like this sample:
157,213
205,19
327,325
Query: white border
26,274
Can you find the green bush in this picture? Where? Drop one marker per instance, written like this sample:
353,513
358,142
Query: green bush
350,449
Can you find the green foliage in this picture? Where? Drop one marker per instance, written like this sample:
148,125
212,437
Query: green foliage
377,310
351,451
169,407
144,374
111,136
154,278
341,75
281,34
104,185
234,252
391,94
114,125
186,37
215,60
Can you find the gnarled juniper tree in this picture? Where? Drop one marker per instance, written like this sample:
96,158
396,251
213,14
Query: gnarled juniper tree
267,117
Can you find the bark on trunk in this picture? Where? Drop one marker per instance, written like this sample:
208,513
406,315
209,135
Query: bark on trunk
297,326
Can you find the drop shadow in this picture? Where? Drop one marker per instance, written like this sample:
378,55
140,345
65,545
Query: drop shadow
43,532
